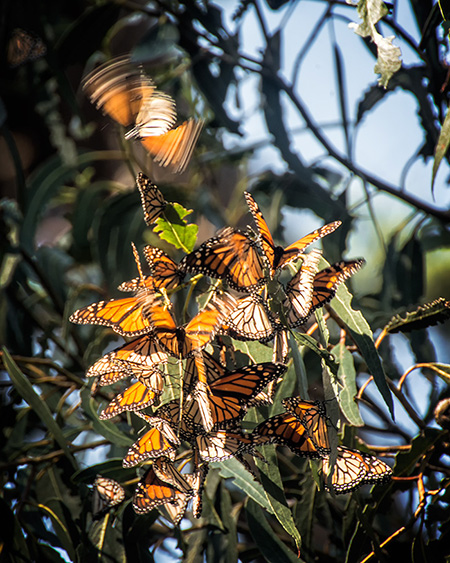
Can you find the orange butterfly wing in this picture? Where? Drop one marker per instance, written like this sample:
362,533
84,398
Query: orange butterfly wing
124,316
150,445
152,200
134,398
328,280
152,492
174,148
164,270
313,416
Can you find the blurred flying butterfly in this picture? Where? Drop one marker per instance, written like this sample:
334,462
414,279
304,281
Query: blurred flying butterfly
231,255
354,469
107,493
183,341
285,429
277,256
313,416
134,398
122,90
24,46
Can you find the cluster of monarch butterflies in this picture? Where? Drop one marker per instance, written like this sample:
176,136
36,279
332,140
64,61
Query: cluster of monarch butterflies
213,400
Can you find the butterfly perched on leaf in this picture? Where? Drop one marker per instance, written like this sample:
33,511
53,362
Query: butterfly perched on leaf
354,469
313,417
183,341
299,302
152,200
107,493
24,46
286,430
232,256
277,257
123,91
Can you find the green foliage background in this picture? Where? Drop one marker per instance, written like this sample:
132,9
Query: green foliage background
69,213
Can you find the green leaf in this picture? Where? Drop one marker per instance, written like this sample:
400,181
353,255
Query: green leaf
388,56
29,395
362,335
441,148
172,227
232,469
105,428
424,316
274,489
312,344
273,549
345,386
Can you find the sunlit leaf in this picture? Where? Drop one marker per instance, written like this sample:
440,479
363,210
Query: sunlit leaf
174,229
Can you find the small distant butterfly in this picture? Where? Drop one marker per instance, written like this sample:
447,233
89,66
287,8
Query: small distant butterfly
23,47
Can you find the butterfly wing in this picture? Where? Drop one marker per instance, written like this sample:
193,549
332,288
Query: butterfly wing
152,200
124,316
152,444
300,290
313,416
232,256
285,429
164,327
119,88
223,444
24,46
151,492
134,398
165,271
349,471
328,280
250,320
156,116
264,235
378,471
107,493
174,148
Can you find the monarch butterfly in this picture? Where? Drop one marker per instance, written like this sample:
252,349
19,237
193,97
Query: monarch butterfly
136,397
300,290
285,429
328,280
150,445
152,378
24,46
107,493
164,272
122,90
124,316
223,444
250,320
354,469
230,255
197,480
313,416
183,341
152,491
133,357
230,393
277,256
162,425
152,200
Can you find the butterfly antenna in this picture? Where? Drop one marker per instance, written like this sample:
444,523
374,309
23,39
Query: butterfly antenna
138,263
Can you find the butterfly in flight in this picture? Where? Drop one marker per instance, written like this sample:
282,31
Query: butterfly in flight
276,256
123,91
232,256
354,469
